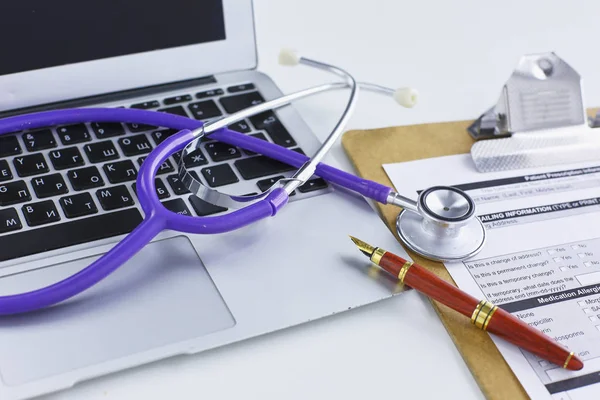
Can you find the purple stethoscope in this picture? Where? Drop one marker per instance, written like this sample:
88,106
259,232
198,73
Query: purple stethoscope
440,225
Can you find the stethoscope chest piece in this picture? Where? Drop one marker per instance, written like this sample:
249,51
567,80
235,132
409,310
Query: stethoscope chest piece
444,228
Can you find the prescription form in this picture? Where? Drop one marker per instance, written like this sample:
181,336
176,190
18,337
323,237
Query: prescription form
541,260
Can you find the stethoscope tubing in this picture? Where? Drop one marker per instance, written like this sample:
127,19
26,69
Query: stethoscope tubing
158,218
367,188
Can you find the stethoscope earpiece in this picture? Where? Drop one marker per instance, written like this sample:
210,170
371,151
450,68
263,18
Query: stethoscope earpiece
443,225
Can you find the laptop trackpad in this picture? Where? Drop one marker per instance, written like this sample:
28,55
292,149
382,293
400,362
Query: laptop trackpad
161,296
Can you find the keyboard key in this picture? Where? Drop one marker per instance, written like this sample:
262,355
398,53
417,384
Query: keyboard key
233,104
265,184
140,127
121,171
105,130
71,233
69,157
9,221
176,185
257,167
241,88
177,99
39,140
209,93
260,136
31,165
203,110
5,174
40,213
73,134
164,168
219,175
220,151
101,151
194,159
160,136
146,105
240,126
177,110
13,193
161,190
177,206
177,157
204,208
312,185
9,146
49,185
268,121
114,197
78,205
135,145
85,178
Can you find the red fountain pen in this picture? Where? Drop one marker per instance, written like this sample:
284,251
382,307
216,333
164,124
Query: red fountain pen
483,314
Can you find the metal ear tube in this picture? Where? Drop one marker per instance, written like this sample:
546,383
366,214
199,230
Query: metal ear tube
406,97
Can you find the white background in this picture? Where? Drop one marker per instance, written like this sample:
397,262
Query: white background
457,54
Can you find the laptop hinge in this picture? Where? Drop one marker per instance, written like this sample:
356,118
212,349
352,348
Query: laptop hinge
113,96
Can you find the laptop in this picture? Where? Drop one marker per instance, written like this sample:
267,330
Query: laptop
67,194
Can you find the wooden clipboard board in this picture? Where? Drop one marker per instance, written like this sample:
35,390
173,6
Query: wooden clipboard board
368,150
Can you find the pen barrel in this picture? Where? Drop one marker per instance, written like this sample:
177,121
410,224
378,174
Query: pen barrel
429,284
513,330
483,314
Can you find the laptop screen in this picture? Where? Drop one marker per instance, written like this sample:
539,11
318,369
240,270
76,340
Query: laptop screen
37,34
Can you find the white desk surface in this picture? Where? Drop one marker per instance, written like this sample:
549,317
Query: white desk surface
458,57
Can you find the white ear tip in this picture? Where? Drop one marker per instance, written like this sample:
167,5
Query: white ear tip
406,97
288,57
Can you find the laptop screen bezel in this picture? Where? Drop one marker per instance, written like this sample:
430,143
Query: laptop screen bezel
90,78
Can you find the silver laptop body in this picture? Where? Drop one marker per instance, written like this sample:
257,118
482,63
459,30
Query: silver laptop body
182,294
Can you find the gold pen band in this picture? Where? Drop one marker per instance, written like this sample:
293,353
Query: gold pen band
404,270
482,315
568,359
377,254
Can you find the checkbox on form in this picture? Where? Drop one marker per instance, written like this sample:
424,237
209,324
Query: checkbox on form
593,318
581,303
564,268
587,264
550,252
581,255
558,259
587,311
598,327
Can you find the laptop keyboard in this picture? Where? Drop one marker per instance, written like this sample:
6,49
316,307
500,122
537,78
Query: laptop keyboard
75,184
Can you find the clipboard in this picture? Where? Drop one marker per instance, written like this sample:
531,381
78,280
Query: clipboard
368,150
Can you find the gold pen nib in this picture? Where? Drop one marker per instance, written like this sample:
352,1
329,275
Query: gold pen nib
365,248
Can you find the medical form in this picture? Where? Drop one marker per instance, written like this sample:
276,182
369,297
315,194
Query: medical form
541,260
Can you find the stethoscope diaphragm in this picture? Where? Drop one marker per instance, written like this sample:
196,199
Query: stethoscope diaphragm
444,226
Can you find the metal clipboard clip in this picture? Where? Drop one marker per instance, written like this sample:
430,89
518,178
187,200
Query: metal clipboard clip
539,120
